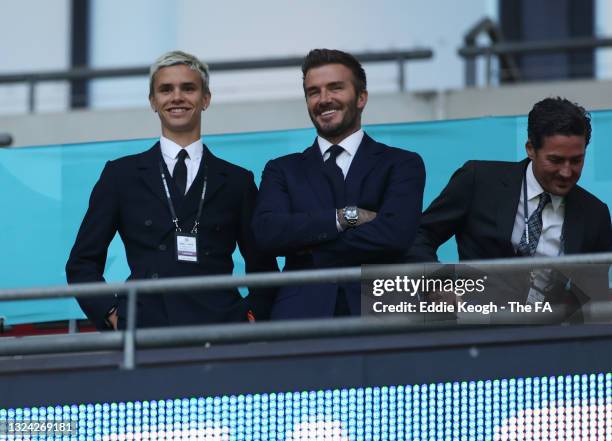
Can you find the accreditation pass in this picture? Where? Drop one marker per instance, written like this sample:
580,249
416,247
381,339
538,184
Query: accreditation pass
186,247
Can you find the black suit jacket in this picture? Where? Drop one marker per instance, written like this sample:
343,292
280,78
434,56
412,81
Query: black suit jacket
296,218
478,206
129,198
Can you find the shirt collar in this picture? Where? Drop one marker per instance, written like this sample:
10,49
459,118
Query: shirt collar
350,144
170,149
534,189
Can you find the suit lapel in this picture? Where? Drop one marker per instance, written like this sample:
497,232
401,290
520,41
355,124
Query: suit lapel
313,162
148,168
216,175
509,197
365,160
573,224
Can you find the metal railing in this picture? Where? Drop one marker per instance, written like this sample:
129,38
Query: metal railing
508,63
507,50
130,339
5,140
76,74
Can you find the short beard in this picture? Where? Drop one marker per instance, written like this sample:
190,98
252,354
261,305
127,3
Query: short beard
342,127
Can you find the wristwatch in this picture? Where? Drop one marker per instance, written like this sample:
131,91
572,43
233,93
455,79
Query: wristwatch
351,215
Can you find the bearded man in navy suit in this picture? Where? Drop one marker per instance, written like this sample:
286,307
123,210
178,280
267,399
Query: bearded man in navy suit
345,201
180,211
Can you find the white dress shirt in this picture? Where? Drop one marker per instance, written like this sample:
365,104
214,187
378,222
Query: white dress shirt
552,218
170,151
350,144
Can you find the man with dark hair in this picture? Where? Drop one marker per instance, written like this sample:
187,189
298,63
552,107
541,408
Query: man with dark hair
345,201
553,116
179,210
321,57
529,208
484,203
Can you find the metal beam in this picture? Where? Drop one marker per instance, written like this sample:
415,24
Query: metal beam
266,63
182,284
205,335
533,47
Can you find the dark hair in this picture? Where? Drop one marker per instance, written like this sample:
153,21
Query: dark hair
321,57
557,116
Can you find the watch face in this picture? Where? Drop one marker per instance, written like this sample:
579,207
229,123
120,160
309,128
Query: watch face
351,215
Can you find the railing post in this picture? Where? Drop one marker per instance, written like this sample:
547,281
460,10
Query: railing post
129,335
470,71
31,93
401,75
488,68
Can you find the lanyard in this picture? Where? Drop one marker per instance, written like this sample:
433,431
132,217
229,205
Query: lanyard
175,219
525,209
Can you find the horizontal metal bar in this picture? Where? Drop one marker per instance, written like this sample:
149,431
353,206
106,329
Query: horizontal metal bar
528,262
88,73
182,284
202,335
64,343
536,47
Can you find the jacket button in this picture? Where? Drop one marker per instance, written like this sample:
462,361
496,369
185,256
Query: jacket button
148,222
162,247
155,276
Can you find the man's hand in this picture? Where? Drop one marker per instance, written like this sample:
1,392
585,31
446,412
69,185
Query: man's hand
364,216
112,318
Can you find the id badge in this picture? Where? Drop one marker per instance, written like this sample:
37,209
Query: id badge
539,281
186,247
535,296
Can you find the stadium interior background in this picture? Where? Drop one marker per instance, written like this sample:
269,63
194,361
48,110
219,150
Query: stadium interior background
64,113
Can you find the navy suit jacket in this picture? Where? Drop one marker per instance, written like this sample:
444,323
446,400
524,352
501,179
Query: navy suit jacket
295,217
129,198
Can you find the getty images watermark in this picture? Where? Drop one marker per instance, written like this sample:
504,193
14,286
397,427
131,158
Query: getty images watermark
429,290
467,293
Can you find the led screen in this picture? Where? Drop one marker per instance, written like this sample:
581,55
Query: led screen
571,407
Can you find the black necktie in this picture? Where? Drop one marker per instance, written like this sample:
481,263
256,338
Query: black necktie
336,178
527,248
335,175
180,172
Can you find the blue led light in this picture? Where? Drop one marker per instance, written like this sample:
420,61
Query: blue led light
452,410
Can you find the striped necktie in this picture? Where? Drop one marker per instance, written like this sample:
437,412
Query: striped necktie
534,228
